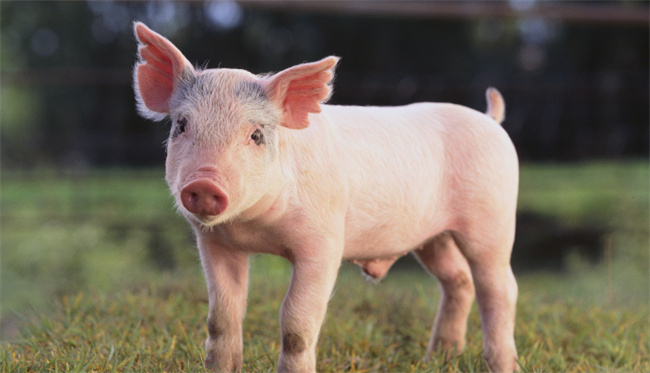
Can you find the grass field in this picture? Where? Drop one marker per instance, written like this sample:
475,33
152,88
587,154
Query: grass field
99,274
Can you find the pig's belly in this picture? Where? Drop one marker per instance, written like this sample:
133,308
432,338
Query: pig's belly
386,238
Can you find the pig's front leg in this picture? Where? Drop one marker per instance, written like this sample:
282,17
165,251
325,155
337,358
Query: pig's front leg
304,308
226,274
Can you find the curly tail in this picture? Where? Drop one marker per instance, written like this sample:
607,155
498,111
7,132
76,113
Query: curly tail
496,108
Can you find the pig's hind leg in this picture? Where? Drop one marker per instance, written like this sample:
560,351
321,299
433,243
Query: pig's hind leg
488,256
442,258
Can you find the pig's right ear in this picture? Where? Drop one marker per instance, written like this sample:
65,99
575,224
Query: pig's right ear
158,71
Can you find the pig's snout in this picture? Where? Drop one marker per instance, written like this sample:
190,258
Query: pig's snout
204,197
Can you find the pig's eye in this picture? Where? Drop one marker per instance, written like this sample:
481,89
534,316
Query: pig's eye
181,123
257,137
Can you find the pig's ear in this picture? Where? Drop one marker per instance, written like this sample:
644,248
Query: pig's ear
158,71
300,90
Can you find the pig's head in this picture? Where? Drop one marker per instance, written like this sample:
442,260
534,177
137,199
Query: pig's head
222,151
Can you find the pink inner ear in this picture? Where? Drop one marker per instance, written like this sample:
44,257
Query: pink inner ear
299,90
155,80
162,65
303,96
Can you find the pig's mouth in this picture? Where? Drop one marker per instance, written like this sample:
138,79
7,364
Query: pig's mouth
203,221
206,222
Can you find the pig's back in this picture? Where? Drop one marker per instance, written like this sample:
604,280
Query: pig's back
404,166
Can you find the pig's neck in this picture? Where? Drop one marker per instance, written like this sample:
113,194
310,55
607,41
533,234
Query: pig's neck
310,162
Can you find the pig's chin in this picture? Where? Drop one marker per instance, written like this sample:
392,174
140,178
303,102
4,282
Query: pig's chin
204,222
207,222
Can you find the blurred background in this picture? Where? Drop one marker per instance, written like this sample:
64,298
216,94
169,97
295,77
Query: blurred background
84,203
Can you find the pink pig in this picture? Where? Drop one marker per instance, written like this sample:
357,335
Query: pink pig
258,164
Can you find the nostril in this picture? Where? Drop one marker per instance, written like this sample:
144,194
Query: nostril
204,197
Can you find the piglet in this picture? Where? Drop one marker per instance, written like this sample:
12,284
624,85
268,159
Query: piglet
258,164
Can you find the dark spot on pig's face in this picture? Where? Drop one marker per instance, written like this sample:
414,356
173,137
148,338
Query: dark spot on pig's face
251,91
293,344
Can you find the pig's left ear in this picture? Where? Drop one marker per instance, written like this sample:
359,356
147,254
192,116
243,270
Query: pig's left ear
299,90
159,69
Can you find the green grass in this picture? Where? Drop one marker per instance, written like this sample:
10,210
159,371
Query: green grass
83,288
369,328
